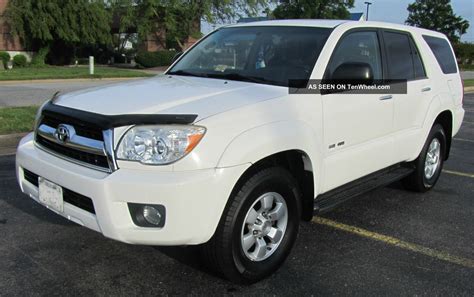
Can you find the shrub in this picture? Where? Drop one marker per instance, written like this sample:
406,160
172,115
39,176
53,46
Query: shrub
20,61
155,59
4,57
40,57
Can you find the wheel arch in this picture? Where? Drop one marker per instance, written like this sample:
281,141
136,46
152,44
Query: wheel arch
299,165
445,119
293,145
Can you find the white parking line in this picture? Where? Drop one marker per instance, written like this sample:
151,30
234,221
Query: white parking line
464,140
458,173
440,255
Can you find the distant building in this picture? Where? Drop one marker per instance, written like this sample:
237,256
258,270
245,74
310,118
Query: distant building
255,19
357,16
7,41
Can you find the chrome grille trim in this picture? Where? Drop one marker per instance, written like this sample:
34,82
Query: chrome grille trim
109,148
75,141
51,152
81,144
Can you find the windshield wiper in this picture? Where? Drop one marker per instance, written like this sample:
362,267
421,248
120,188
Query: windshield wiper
238,76
187,73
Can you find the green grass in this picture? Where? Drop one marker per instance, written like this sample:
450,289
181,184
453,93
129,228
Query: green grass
469,83
17,119
50,72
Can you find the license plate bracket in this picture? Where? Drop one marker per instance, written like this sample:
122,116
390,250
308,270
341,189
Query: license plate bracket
51,194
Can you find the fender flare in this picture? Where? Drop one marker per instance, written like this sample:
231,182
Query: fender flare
262,141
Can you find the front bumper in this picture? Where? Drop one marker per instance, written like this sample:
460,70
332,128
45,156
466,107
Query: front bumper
194,200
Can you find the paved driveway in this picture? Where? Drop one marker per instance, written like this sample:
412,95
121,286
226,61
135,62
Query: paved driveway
467,74
35,93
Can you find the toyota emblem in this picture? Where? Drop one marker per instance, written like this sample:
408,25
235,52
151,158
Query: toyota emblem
62,133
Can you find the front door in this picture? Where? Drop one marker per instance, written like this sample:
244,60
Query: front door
357,127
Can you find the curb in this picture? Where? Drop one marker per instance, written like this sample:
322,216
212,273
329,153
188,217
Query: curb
9,143
468,89
7,137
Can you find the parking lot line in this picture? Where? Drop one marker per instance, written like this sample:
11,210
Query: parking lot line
459,173
462,139
440,255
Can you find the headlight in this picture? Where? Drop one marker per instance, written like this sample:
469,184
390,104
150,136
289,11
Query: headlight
159,145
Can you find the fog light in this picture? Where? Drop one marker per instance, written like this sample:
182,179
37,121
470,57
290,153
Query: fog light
151,215
147,215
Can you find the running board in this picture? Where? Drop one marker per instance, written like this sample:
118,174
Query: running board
328,201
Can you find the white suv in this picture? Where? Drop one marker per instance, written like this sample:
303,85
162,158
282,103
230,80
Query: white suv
219,151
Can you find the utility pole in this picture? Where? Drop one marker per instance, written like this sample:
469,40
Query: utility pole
368,5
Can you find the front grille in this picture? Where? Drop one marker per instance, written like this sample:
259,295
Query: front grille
84,144
69,196
92,159
81,129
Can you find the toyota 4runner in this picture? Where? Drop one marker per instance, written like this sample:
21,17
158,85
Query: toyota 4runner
218,152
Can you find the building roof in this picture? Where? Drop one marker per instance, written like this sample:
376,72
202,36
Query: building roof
255,19
357,16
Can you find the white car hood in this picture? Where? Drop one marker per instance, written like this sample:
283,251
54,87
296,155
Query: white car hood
170,95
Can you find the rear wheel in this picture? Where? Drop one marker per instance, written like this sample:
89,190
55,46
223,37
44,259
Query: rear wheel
258,227
429,164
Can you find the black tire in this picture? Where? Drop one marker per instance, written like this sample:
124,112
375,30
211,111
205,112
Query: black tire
224,252
417,181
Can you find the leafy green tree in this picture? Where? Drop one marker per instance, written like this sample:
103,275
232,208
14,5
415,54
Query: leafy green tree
437,15
179,18
60,24
313,9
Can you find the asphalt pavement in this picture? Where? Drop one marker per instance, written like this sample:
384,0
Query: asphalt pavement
388,242
467,74
27,93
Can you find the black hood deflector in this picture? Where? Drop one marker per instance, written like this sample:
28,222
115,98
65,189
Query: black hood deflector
104,122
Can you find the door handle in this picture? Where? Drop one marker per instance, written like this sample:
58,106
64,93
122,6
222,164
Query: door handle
426,89
386,97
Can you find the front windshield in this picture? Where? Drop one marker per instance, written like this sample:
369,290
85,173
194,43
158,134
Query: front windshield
269,55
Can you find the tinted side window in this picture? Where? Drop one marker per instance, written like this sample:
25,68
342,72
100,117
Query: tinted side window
417,62
360,47
443,53
400,63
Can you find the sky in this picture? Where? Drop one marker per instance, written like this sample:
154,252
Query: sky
395,11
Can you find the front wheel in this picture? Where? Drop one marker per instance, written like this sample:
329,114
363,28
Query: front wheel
258,227
429,164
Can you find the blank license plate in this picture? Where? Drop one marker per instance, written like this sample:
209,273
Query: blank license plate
50,194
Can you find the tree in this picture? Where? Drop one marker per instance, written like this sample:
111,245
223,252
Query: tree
179,18
313,9
59,24
437,15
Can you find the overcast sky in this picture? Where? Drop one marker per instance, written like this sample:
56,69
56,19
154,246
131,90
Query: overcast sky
395,11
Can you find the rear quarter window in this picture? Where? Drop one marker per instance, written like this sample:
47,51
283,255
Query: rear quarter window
443,53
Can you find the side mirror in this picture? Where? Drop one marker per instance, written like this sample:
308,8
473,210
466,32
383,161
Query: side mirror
353,72
176,57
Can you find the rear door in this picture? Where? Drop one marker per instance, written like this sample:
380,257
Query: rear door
404,62
357,127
